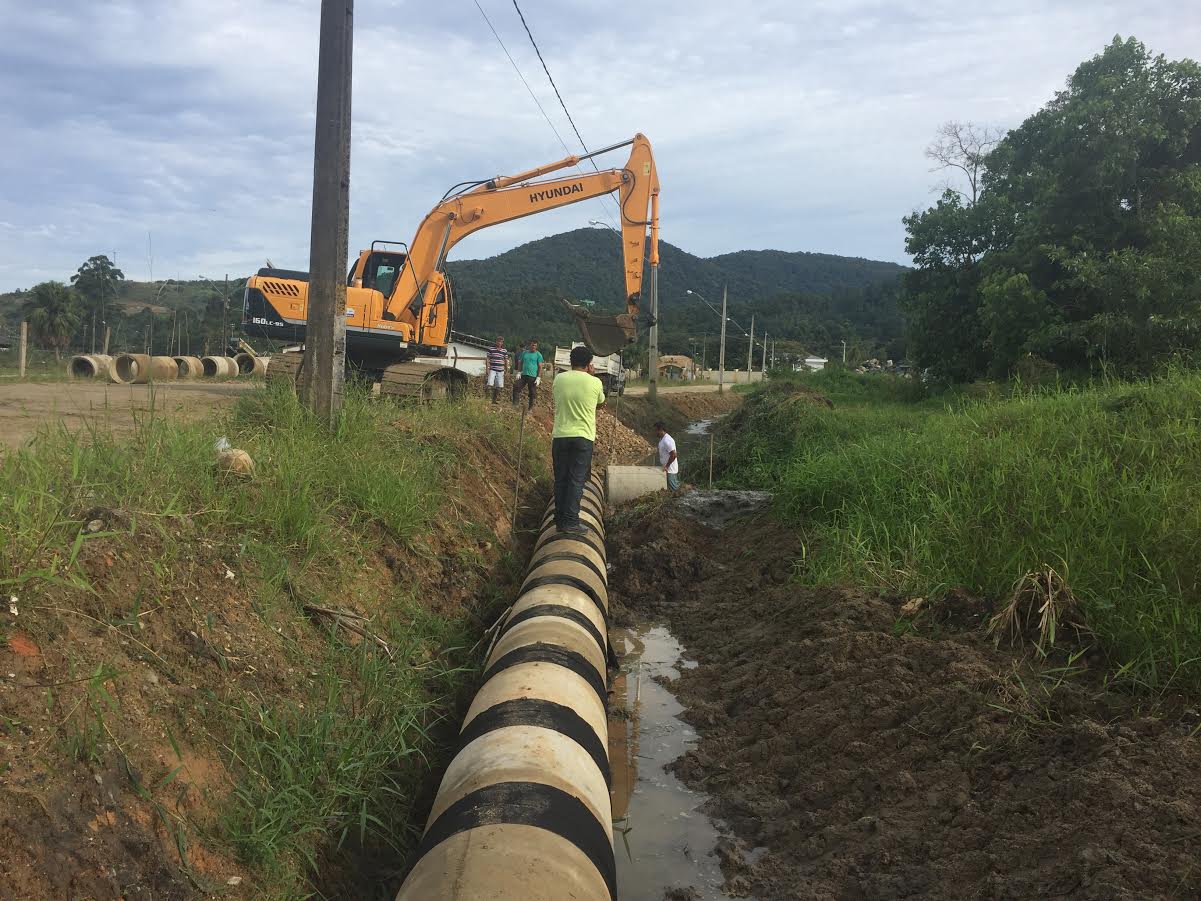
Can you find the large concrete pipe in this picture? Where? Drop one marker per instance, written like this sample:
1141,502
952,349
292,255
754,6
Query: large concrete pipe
219,367
189,367
131,368
163,369
90,366
249,364
523,812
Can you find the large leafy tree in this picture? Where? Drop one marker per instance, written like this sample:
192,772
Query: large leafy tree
1083,244
53,313
98,280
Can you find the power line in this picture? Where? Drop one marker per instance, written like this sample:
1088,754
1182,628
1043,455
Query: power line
534,96
549,78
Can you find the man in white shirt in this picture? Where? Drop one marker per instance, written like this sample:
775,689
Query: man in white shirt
668,458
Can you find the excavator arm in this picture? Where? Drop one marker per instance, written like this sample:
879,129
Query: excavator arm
420,285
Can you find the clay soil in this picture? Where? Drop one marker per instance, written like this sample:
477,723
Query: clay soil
27,406
863,753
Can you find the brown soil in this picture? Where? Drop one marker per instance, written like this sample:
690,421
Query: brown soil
875,756
112,780
26,407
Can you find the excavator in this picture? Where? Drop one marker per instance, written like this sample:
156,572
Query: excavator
399,301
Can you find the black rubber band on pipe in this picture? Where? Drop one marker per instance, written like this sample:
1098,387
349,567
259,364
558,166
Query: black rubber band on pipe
562,612
549,522
541,652
599,547
544,715
529,804
572,581
568,557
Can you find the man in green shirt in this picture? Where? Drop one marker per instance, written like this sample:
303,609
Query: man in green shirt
577,395
529,365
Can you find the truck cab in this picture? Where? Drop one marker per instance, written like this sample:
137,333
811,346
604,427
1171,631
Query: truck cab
608,369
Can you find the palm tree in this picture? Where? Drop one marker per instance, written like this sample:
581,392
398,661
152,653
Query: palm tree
53,314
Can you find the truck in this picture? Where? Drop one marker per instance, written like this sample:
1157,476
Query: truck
608,369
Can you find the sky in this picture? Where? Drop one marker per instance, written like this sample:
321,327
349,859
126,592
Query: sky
178,134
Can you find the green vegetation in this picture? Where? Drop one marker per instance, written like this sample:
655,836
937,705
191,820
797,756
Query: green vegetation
814,299
163,317
1081,244
976,490
327,761
53,314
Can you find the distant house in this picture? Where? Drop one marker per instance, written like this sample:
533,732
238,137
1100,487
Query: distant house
812,363
7,342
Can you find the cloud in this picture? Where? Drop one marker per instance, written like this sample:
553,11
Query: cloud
187,125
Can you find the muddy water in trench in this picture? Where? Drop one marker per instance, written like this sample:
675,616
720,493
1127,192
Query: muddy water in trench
668,840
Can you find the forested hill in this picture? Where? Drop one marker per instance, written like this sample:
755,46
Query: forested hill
813,299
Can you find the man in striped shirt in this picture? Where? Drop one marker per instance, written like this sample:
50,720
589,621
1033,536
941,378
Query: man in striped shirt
498,361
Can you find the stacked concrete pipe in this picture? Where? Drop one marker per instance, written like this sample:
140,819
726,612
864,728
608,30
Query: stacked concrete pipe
219,367
189,367
90,366
523,812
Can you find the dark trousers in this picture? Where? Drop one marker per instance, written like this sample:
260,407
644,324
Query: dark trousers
529,382
572,459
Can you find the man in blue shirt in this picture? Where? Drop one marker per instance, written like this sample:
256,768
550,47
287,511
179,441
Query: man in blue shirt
529,366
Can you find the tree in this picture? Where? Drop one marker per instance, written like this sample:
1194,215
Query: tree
1082,242
963,146
98,281
53,313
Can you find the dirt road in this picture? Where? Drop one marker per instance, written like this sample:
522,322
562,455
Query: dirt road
641,390
856,751
27,406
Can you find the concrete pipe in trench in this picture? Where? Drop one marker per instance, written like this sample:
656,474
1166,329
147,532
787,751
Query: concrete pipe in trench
189,367
219,367
90,366
523,812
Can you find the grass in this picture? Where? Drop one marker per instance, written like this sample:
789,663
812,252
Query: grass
338,761
918,495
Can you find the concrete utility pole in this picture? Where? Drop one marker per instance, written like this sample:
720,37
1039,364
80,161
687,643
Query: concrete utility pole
653,388
844,352
325,334
23,349
721,354
750,350
765,353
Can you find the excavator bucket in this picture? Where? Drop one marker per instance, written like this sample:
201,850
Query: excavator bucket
604,335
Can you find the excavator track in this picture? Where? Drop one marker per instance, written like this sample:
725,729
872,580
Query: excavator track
285,368
422,382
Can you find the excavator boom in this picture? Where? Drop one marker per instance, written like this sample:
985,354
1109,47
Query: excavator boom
420,283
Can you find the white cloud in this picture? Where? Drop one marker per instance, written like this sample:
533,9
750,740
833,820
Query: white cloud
795,125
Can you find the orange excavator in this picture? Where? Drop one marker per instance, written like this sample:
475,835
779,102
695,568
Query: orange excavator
399,301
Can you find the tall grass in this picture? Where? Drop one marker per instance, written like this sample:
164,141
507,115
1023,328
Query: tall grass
1099,482
339,759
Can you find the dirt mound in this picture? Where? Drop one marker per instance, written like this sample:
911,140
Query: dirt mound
875,756
621,434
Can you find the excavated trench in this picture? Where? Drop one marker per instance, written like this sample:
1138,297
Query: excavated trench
665,840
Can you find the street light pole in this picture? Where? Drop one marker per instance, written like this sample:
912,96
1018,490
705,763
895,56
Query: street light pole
721,354
653,388
750,350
